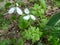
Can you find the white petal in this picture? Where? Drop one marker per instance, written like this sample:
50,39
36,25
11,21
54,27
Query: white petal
19,11
26,17
32,17
26,11
11,10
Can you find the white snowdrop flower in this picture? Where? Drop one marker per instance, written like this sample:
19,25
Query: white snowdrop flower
29,17
17,9
32,17
26,10
11,10
26,17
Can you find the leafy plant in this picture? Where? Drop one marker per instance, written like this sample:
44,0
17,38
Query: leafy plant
40,8
32,33
22,24
37,10
53,40
43,4
53,25
43,22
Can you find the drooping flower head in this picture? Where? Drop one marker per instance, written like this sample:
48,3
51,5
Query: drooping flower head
17,9
28,15
26,10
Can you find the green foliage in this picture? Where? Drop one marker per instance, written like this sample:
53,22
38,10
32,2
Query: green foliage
32,33
53,24
57,23
1,20
1,15
5,42
7,4
14,17
57,2
55,31
1,0
43,22
43,4
22,24
37,10
20,41
4,24
12,42
53,20
53,40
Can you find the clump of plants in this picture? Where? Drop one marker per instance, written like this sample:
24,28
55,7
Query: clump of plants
32,33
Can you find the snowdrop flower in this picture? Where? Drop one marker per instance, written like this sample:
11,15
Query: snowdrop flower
17,9
11,10
26,11
29,17
32,17
26,17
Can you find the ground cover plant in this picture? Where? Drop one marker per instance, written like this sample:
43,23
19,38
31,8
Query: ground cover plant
29,22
